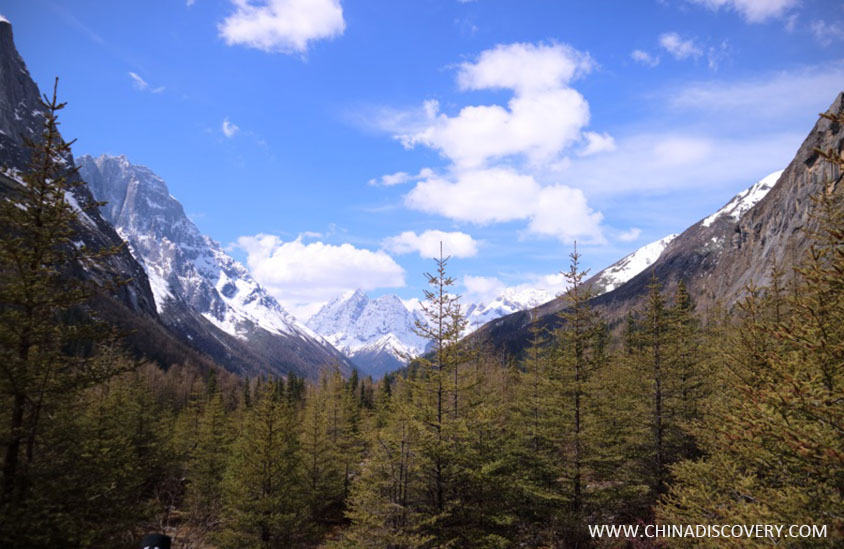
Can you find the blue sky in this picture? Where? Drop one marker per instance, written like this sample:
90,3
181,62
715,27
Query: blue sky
323,141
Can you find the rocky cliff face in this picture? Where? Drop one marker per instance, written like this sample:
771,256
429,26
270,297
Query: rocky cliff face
21,118
200,291
720,255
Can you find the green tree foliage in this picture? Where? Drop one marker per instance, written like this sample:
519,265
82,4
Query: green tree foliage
47,336
331,444
207,462
264,504
384,503
579,354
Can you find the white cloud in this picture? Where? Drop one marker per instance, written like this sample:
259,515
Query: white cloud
678,47
796,93
753,11
660,162
495,150
480,196
299,274
482,289
229,128
138,82
630,235
597,143
399,178
190,2
645,58
563,212
524,68
827,33
142,85
715,55
427,244
539,125
498,195
543,117
283,26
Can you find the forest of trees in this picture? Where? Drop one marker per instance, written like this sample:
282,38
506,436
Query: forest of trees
662,418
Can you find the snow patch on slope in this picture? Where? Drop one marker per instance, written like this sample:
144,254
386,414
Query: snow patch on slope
629,266
745,200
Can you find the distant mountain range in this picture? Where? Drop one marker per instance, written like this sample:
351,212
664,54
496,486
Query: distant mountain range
378,336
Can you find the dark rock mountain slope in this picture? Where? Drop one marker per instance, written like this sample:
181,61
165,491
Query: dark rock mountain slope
21,118
719,256
132,306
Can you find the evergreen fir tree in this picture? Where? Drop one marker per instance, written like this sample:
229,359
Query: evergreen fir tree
264,504
207,463
47,337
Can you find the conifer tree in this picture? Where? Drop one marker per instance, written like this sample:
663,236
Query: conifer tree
262,488
578,355
46,333
688,385
207,463
331,444
435,394
533,428
655,333
385,502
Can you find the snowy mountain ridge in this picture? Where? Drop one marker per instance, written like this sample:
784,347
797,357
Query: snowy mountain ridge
186,267
746,199
356,323
630,265
509,301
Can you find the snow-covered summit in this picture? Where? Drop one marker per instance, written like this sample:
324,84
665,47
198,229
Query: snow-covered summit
746,199
183,264
379,336
354,321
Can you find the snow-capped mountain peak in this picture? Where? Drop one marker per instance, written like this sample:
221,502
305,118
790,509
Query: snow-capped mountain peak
355,324
746,199
184,266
